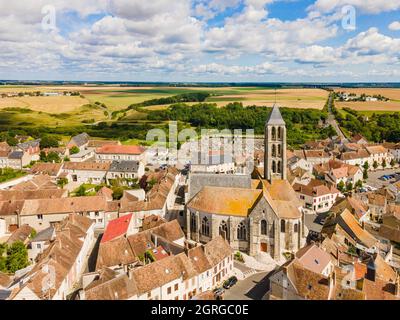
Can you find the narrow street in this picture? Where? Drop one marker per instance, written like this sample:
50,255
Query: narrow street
332,121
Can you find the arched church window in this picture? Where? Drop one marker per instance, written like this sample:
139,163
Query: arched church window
223,230
241,232
273,167
273,150
205,227
279,169
273,133
296,228
283,226
279,133
279,150
264,227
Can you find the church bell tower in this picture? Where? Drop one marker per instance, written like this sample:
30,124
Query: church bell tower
275,162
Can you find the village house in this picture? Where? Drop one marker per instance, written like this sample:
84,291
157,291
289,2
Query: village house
51,169
336,172
83,155
95,144
357,207
66,256
124,169
296,160
18,159
31,148
356,158
175,277
62,152
308,276
377,204
109,153
86,172
359,139
40,243
380,155
316,196
313,157
5,150
394,149
215,162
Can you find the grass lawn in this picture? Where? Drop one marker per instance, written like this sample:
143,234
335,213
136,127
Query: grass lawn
7,174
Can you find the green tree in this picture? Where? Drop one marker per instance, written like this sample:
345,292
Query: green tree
375,165
81,192
118,192
48,141
17,257
341,186
384,164
349,186
365,174
74,150
366,165
62,182
359,184
392,163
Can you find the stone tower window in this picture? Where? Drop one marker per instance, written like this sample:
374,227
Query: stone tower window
273,167
279,167
274,150
279,133
273,133
193,223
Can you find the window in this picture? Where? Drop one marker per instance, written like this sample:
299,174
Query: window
273,133
273,167
279,169
296,228
279,150
264,227
39,246
279,133
241,232
169,290
273,150
40,216
193,222
205,227
283,226
223,230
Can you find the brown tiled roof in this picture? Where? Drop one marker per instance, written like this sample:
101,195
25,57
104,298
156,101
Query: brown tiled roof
282,198
199,259
379,290
376,149
225,201
61,255
170,231
313,258
12,195
8,208
5,280
117,149
348,222
119,288
37,182
21,234
51,169
376,199
308,284
63,205
353,155
87,166
216,250
100,143
115,252
314,191
316,154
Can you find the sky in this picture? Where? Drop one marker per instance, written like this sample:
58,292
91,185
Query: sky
201,40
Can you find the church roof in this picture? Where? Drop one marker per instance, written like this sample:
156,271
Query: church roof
275,117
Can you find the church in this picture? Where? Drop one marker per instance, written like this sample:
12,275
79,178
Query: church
258,213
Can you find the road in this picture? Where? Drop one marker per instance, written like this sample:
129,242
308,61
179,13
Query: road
332,121
252,288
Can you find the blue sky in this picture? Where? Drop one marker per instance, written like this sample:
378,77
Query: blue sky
200,40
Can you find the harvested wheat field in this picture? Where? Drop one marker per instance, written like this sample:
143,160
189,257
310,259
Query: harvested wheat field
60,104
387,106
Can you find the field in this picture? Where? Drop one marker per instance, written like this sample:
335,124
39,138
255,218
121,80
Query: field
380,106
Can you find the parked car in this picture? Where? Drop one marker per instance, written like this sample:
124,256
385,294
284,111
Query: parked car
230,282
218,292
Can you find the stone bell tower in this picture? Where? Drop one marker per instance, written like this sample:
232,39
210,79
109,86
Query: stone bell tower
275,162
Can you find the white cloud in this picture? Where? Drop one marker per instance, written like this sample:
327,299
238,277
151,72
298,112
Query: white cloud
368,6
395,26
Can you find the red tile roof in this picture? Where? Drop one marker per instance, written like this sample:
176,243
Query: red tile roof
117,228
115,149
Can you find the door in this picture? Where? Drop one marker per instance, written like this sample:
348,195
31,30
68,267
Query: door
264,247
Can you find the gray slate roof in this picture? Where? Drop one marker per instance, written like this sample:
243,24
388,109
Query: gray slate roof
124,166
199,180
28,144
44,235
275,118
80,139
16,155
199,158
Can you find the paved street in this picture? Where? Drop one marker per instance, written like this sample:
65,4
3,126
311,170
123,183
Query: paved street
252,288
